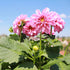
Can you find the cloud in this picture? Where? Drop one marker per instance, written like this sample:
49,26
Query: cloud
63,16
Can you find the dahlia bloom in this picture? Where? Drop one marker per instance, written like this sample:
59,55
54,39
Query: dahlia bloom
41,20
57,22
16,29
59,25
18,23
30,29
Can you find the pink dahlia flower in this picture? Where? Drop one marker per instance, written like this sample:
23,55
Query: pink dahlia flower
59,25
57,22
41,20
17,28
30,29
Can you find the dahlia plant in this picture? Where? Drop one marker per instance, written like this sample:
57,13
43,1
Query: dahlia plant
33,46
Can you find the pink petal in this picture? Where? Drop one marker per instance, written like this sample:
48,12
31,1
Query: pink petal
45,10
38,12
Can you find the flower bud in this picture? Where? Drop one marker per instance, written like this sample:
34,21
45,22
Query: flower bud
35,48
11,29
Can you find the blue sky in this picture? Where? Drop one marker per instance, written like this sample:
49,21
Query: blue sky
10,9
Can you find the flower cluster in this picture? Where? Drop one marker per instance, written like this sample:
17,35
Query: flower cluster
39,22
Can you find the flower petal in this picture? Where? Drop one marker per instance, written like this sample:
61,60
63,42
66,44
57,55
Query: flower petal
38,12
45,10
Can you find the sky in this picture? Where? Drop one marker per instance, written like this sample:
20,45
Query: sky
10,9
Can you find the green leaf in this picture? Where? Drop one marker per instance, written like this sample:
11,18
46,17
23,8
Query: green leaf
50,63
10,44
8,55
52,52
66,49
49,40
5,66
26,66
11,51
54,67
54,42
0,66
57,44
26,41
46,69
14,45
14,37
45,55
63,66
68,67
56,64
67,58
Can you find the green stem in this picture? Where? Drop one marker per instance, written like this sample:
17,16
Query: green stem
20,37
20,29
51,30
34,58
40,40
30,58
40,50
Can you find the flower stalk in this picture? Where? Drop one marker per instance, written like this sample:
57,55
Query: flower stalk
40,49
40,40
51,31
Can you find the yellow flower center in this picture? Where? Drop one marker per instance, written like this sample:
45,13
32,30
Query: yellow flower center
42,19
